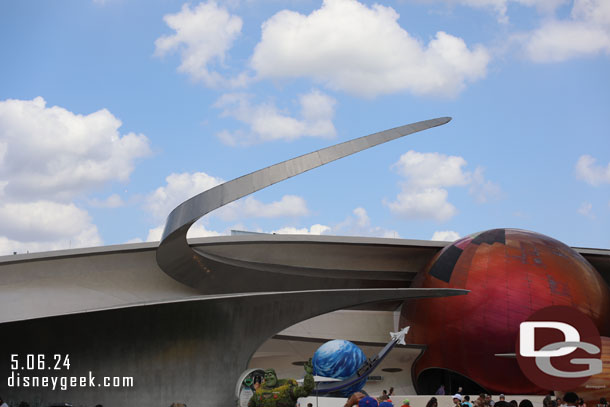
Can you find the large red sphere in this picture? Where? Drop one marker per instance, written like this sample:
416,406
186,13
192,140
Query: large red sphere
510,274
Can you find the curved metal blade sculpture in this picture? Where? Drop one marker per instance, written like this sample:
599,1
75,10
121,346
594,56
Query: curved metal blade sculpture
214,275
249,301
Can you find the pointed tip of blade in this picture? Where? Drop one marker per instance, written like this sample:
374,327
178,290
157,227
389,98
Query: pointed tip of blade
439,121
444,120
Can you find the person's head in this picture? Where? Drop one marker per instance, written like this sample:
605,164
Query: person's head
309,405
354,399
270,378
502,397
467,398
385,392
526,403
488,397
548,401
406,402
513,403
459,389
457,399
367,402
570,398
482,396
433,402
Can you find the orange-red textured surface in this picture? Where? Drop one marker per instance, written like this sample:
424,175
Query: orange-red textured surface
599,385
511,273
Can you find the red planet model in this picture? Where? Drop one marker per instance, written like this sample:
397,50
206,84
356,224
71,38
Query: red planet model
511,274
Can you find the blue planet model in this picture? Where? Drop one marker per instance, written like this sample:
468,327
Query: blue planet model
339,359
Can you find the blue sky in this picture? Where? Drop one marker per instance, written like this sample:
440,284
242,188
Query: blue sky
113,112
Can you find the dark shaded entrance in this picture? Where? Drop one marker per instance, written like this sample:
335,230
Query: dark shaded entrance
430,380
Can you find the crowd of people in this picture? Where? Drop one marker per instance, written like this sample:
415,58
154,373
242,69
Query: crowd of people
569,399
26,404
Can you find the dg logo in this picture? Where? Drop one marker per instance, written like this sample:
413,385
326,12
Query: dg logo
559,348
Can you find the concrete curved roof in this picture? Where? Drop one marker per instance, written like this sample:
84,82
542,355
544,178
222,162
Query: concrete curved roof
83,280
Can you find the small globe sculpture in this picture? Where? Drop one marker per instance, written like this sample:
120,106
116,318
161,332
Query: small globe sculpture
339,359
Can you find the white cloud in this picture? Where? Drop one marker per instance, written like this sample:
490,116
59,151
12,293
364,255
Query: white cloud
595,11
360,225
558,41
586,32
178,189
113,201
362,218
266,123
360,50
289,205
316,229
134,240
44,219
45,225
482,189
586,209
592,174
500,7
203,35
356,224
428,203
445,235
154,234
424,196
431,170
197,230
52,153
